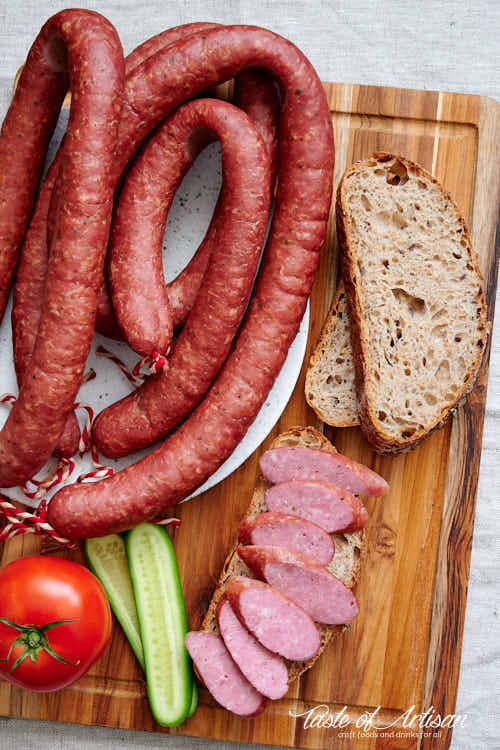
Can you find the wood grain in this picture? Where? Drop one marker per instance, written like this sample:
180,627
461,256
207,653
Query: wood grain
404,648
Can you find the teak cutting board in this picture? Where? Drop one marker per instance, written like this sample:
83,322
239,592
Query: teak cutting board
404,648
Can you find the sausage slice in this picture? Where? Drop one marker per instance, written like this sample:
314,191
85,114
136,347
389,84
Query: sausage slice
221,674
333,509
266,670
279,624
287,463
312,587
288,531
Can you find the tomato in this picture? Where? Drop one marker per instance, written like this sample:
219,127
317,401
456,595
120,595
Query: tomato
60,622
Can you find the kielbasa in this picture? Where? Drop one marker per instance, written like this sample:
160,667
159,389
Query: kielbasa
333,509
295,462
288,531
221,674
321,594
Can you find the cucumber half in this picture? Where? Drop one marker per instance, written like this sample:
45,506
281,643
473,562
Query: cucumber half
107,559
163,622
194,700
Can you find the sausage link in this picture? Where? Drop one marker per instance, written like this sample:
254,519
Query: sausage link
106,323
256,94
31,274
87,45
139,295
27,304
210,434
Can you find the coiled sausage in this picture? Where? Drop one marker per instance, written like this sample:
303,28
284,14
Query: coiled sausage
87,45
211,433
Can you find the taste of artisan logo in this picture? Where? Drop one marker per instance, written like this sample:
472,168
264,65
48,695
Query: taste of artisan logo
369,723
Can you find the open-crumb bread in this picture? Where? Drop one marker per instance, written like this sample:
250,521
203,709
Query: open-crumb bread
415,299
345,565
330,389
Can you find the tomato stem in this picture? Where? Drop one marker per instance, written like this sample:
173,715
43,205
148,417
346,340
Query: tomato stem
33,638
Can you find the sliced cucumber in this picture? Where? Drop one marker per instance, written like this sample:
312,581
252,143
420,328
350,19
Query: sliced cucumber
107,558
163,622
194,700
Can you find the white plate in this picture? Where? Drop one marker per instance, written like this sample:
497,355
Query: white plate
187,223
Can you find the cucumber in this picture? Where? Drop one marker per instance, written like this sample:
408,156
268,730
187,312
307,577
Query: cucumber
194,700
163,622
107,559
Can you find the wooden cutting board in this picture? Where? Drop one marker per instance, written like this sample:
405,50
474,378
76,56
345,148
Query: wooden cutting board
404,648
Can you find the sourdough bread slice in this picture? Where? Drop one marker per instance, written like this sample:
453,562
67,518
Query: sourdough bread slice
415,298
346,562
330,388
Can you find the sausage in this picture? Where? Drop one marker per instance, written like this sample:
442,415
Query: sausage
221,674
333,509
203,442
256,94
266,671
139,296
32,271
288,531
23,143
291,463
106,323
27,304
83,212
323,596
276,622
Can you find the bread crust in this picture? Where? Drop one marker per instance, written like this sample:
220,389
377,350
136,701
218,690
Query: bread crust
316,357
372,428
350,549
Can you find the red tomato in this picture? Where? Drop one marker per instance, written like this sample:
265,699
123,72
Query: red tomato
36,592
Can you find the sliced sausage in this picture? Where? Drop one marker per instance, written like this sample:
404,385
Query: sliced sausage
288,531
221,674
87,45
323,596
333,509
279,624
209,435
291,463
265,670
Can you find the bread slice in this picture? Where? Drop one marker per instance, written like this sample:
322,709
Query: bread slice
330,388
415,297
346,563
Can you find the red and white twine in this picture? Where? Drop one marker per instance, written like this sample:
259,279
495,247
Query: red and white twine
23,522
151,364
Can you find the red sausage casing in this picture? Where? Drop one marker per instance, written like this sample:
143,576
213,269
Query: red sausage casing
139,294
209,435
85,44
